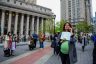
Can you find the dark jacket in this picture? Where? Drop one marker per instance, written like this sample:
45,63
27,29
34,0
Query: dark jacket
72,49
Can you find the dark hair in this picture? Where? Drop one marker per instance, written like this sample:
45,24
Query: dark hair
65,24
8,33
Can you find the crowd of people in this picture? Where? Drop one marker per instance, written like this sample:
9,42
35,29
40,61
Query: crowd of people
10,40
93,37
63,43
34,38
9,44
66,48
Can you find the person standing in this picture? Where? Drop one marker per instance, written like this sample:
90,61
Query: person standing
10,42
66,52
84,41
54,43
79,39
14,40
8,45
6,48
41,40
35,36
93,37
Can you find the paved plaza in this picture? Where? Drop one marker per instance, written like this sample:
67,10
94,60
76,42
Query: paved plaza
46,56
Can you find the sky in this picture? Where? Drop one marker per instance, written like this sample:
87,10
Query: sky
55,6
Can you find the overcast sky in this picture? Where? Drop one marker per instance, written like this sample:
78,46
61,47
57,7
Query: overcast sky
55,6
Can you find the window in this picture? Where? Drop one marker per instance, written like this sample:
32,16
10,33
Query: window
40,8
8,0
45,10
14,2
20,3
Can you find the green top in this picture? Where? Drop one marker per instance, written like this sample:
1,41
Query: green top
65,47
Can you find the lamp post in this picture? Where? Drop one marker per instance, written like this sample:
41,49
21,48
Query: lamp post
54,16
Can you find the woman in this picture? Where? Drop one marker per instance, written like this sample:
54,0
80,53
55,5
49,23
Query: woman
8,45
84,41
10,42
54,43
6,49
31,43
14,40
67,55
41,39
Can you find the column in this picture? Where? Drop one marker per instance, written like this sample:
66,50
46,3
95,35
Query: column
2,22
37,25
44,29
32,26
27,27
9,21
21,27
16,22
42,24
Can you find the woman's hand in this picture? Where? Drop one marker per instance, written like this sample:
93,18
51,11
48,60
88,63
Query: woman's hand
62,40
71,30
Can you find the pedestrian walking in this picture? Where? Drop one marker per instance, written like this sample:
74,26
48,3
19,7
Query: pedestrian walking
93,37
54,43
31,42
66,49
84,41
8,44
35,36
41,40
5,43
79,39
14,41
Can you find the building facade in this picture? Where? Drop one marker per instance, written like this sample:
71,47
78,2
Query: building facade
94,20
94,23
22,18
29,1
76,10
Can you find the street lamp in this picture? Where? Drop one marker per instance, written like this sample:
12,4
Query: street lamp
54,16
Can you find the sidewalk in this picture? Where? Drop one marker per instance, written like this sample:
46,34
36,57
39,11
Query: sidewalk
45,56
20,43
83,57
37,56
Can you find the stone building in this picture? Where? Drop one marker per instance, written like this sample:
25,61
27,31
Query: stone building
22,18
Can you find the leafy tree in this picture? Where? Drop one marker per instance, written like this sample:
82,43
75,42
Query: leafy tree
49,26
83,26
59,25
62,22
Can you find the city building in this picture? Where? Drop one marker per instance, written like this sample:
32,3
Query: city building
94,23
23,18
29,1
76,10
94,20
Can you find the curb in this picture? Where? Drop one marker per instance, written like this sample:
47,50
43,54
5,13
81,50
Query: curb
18,44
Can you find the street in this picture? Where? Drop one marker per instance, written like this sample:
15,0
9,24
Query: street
82,57
21,49
46,56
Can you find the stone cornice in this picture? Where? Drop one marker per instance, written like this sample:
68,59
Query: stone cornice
24,12
28,7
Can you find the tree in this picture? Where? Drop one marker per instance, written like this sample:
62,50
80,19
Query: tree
83,26
59,25
62,22
49,25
